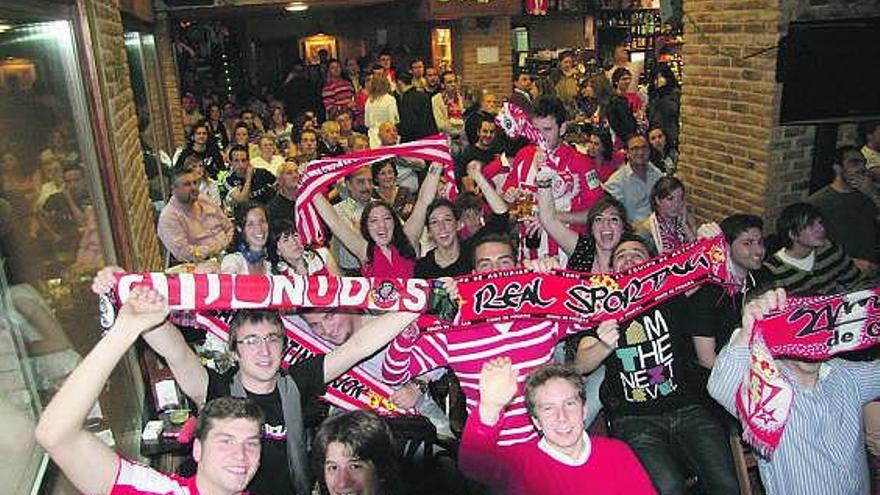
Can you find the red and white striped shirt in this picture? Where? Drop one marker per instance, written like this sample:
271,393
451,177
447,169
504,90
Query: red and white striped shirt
576,186
528,343
136,479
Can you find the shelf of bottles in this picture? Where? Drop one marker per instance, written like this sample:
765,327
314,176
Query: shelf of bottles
642,26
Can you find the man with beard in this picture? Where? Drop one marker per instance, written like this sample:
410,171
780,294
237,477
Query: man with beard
715,311
192,228
851,206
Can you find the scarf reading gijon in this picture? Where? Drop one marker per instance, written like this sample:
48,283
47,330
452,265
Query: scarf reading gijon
581,298
813,328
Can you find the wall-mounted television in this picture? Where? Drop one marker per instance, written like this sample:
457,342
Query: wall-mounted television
830,71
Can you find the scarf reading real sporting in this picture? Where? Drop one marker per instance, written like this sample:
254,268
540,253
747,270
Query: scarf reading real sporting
321,174
567,296
813,328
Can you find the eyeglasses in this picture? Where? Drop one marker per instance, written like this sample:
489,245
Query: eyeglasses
254,340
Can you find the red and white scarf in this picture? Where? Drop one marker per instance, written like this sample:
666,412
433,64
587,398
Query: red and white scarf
813,328
321,174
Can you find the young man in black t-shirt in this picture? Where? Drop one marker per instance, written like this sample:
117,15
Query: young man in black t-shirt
257,342
653,395
246,182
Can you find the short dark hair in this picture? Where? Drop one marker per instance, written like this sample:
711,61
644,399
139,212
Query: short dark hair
377,167
633,136
252,316
226,408
240,148
866,128
618,74
543,374
605,137
467,201
549,106
370,439
490,237
736,224
244,111
73,167
179,170
307,131
602,204
663,188
439,203
443,75
516,75
633,237
841,151
793,220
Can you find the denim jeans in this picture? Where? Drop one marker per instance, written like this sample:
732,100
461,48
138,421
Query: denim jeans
677,443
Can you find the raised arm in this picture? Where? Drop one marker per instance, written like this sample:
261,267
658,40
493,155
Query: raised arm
494,200
167,341
733,360
416,221
352,240
593,350
366,342
88,463
479,456
558,231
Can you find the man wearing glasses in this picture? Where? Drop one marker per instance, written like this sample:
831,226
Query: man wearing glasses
257,342
631,184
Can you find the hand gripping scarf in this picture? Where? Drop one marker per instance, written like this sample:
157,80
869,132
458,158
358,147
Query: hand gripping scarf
320,174
515,123
812,328
204,301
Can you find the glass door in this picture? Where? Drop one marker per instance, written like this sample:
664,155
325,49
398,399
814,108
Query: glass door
54,235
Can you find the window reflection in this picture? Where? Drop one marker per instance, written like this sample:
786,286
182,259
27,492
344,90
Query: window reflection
53,237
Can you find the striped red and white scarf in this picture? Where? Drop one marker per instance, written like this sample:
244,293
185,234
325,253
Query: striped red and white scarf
811,328
321,174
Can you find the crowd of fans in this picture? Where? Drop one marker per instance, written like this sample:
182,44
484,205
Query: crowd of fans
602,197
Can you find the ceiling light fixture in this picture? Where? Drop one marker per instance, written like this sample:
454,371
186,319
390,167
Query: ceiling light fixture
296,7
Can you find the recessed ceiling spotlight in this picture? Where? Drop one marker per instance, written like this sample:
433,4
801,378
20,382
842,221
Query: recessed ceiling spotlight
296,7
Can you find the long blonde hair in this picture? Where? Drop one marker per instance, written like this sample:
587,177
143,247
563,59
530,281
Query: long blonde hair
378,87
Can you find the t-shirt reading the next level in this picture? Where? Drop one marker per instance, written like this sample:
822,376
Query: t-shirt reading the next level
652,369
270,478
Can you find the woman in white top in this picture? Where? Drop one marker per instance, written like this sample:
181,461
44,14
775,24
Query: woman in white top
268,159
381,107
247,253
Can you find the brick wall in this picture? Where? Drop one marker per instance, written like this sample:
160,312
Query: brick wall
495,76
791,147
734,155
728,103
168,71
105,24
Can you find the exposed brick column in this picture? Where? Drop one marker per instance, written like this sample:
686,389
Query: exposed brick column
495,76
729,105
168,70
735,157
112,68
